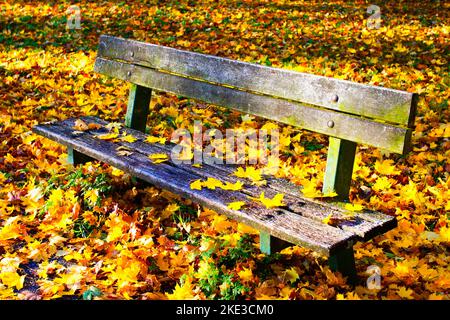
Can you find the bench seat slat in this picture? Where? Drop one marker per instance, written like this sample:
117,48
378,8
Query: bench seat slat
365,225
361,130
371,101
283,223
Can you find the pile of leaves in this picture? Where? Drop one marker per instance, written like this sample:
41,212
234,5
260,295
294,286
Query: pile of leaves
94,232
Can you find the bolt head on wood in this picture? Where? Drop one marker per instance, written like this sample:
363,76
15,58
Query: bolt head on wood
132,53
330,123
129,73
335,98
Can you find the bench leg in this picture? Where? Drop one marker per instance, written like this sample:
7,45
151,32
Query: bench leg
138,107
269,244
74,157
344,262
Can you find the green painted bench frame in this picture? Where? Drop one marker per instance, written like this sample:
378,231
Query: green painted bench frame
348,112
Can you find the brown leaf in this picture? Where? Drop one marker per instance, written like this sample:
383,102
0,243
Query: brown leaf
94,126
80,125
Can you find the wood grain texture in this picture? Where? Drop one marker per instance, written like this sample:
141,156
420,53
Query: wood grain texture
361,130
365,225
285,225
370,101
280,222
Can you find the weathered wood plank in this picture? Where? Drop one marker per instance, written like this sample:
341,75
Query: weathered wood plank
138,107
282,224
339,169
371,101
332,123
364,225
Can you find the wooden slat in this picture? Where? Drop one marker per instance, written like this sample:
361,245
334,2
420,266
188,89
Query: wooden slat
370,101
390,137
282,224
365,225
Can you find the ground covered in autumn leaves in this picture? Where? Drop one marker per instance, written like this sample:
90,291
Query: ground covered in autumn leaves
94,232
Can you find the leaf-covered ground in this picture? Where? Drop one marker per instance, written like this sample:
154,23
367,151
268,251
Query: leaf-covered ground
94,232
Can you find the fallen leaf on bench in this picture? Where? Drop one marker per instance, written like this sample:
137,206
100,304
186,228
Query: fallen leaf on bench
276,201
249,173
107,136
329,195
236,205
196,185
123,151
327,220
353,207
153,139
232,186
212,183
158,157
80,125
128,138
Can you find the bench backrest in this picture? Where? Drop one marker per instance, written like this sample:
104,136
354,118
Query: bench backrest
344,110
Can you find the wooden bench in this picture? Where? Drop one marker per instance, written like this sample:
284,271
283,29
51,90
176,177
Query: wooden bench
348,112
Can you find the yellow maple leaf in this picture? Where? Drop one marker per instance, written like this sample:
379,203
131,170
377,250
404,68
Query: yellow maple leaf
91,196
232,186
158,157
236,205
276,201
353,207
249,173
128,138
310,189
212,183
12,279
56,197
107,136
153,139
12,229
182,292
117,172
327,219
291,275
444,234
386,167
382,183
196,185
405,293
246,274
